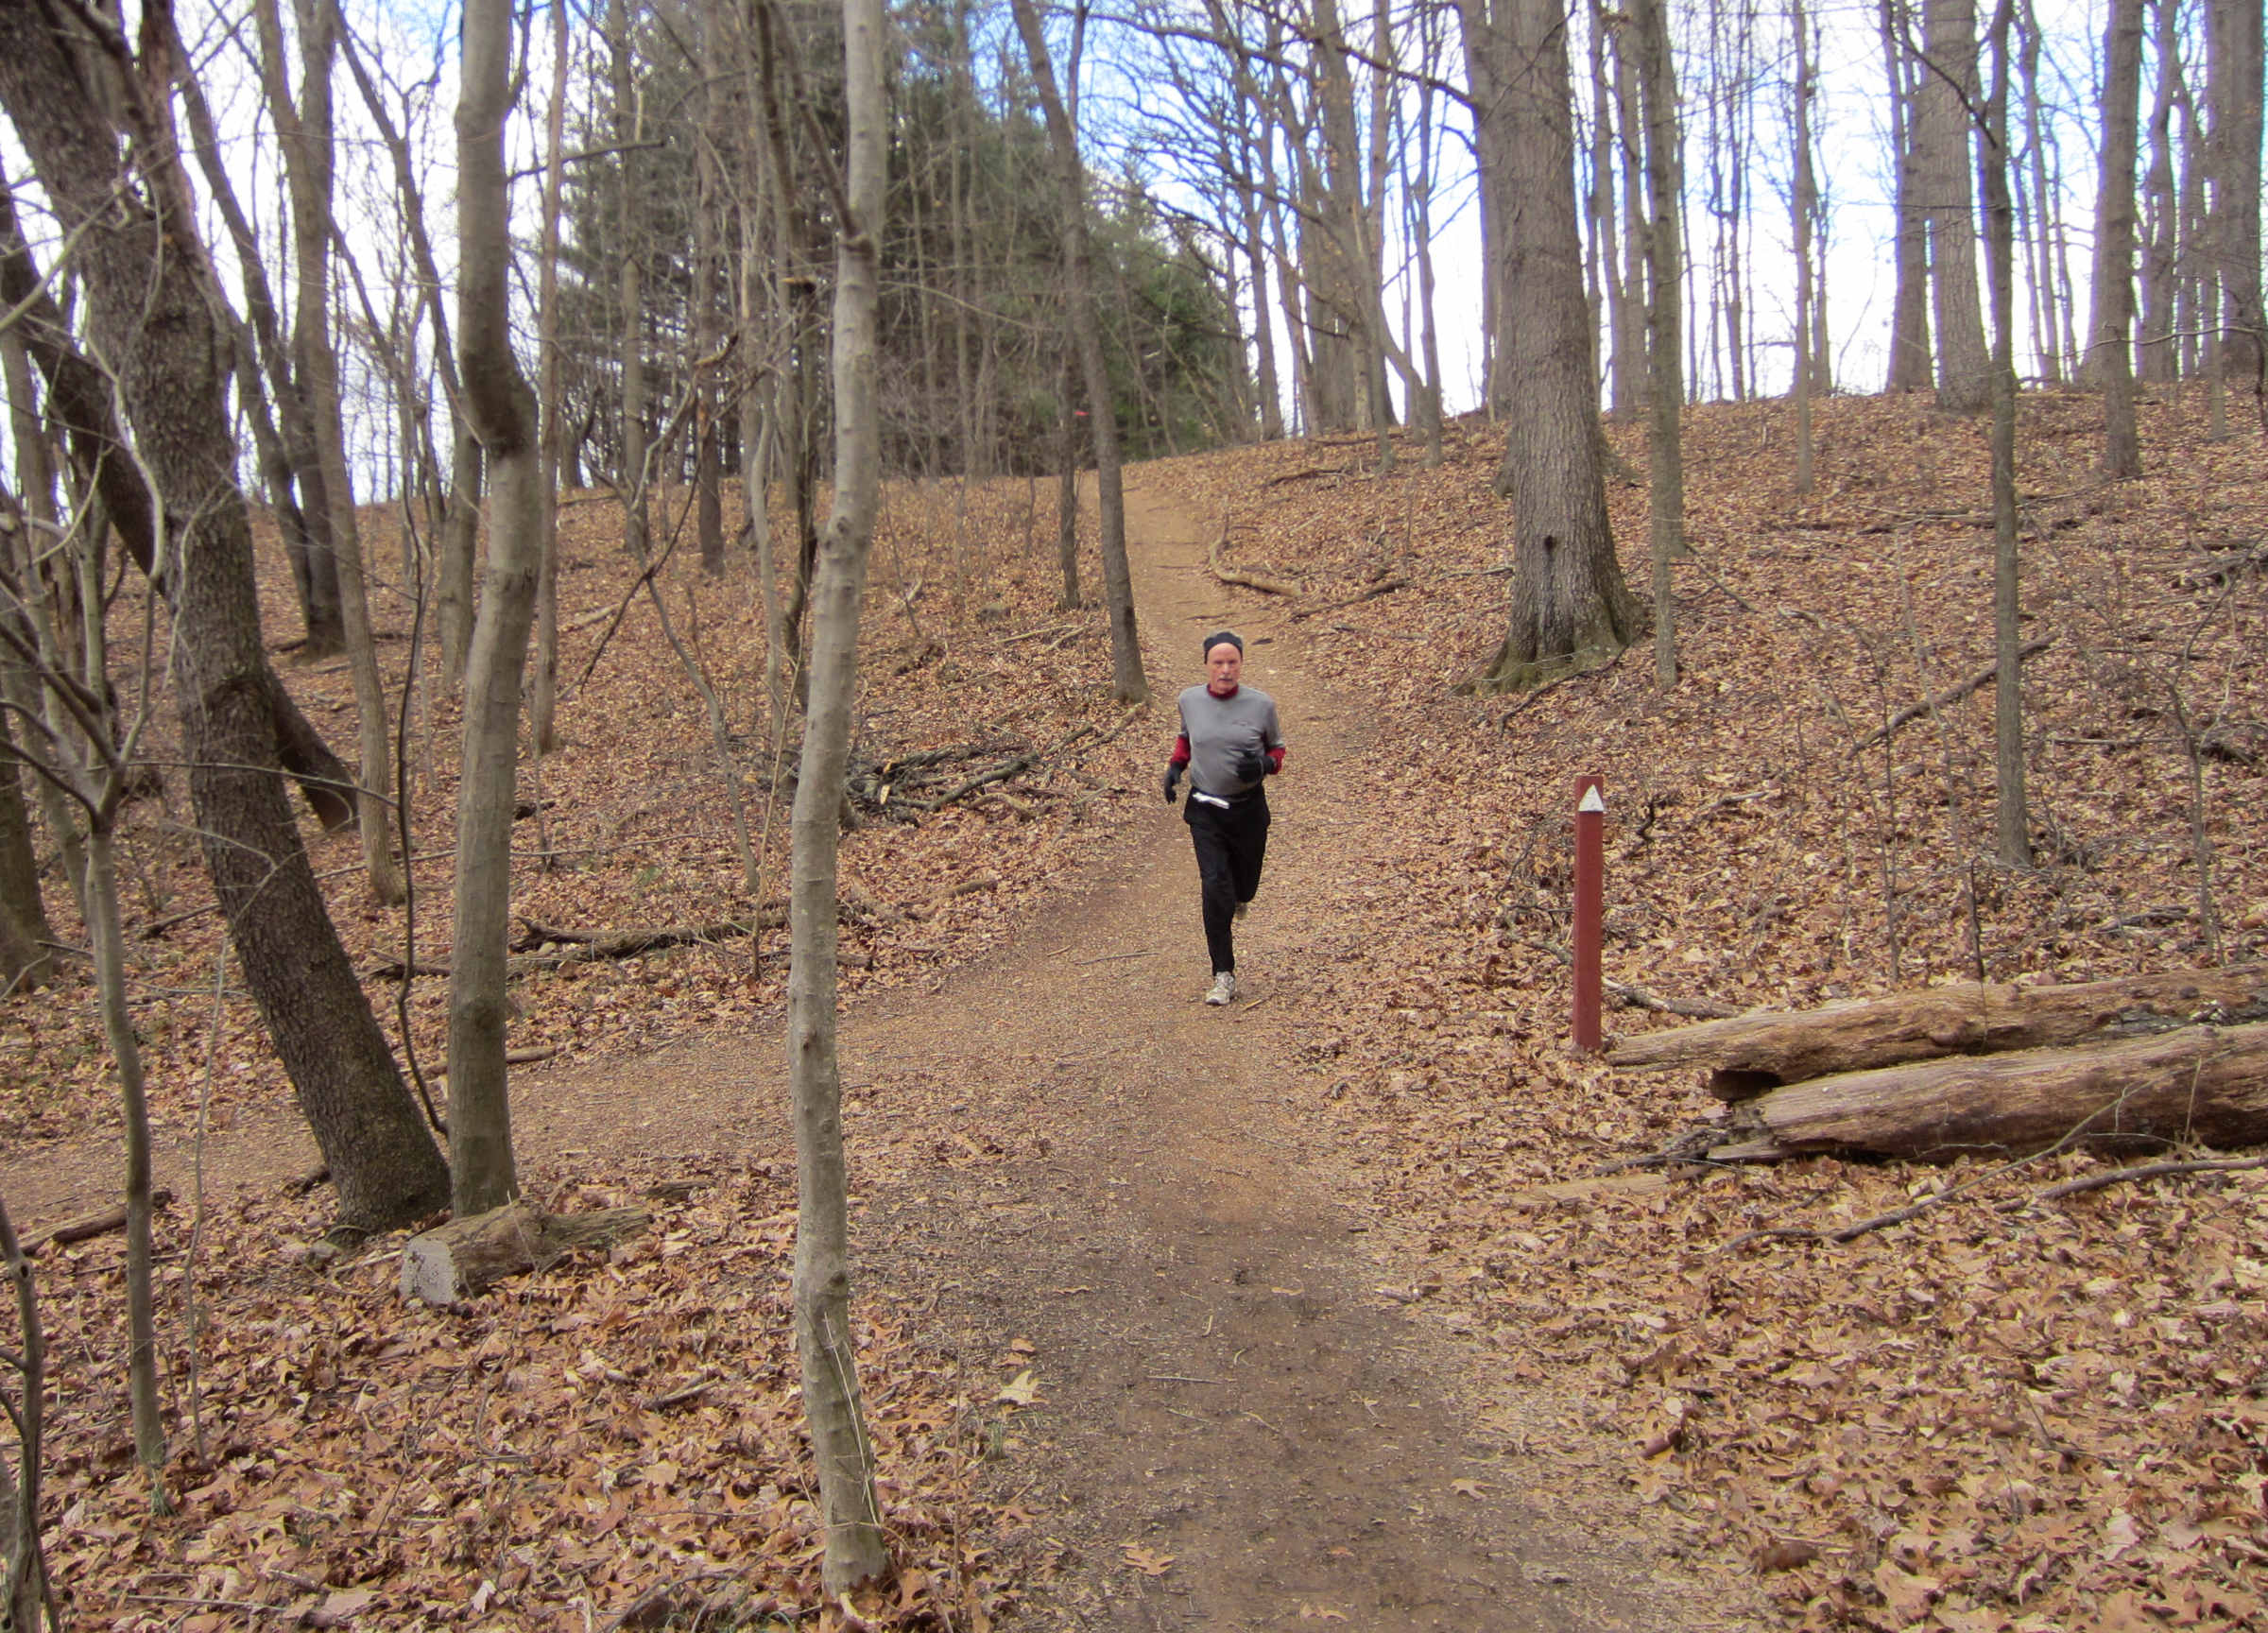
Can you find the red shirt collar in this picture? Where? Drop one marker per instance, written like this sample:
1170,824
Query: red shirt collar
1224,697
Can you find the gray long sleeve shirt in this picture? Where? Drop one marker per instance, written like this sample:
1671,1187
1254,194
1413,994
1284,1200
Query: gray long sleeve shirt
1216,731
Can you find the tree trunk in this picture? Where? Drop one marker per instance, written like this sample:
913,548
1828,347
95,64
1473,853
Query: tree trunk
1570,608
703,332
1427,414
1128,685
551,408
503,413
629,132
151,304
2201,1085
25,1589
1765,1048
2159,357
1803,201
459,548
2233,86
24,962
854,1548
1067,488
1944,135
118,1027
2108,360
2013,824
1665,337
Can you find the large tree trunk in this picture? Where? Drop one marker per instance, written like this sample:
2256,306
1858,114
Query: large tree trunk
1127,683
2233,84
2109,361
2197,1085
151,299
1749,1054
855,1552
1570,608
503,413
1947,140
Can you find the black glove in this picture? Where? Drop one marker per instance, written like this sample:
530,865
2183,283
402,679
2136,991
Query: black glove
1173,775
1252,765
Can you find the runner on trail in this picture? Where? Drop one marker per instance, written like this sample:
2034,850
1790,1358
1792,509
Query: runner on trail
1230,745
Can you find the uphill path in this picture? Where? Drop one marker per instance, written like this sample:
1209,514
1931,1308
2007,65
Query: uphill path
1235,1424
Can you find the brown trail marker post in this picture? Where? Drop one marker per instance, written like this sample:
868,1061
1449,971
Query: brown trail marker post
1591,893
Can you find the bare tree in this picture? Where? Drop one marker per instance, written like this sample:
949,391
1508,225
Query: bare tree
1803,204
1946,110
2158,355
2233,85
854,1545
305,129
1570,608
2110,359
629,136
1128,682
25,1589
1999,244
1910,296
502,411
99,785
1665,311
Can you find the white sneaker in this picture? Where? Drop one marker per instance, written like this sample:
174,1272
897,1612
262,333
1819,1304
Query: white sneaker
1223,989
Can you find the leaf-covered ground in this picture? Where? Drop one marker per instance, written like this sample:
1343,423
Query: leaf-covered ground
2006,1413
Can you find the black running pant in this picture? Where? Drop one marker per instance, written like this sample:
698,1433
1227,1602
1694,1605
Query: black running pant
1230,846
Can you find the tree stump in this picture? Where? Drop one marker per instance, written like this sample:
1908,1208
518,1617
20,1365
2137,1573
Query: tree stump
465,1256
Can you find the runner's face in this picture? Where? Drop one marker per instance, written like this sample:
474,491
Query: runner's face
1223,665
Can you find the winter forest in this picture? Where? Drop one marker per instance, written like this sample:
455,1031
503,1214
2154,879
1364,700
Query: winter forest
599,1021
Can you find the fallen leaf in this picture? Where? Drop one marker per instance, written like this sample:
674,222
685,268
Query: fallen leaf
1785,1554
1148,1561
1020,1390
342,1608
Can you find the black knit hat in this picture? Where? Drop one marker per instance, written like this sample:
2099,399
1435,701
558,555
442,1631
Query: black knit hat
1217,637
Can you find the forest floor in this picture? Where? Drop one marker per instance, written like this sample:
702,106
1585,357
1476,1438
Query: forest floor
1332,1305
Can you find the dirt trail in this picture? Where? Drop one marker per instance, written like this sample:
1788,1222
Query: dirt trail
1110,1189
1220,1382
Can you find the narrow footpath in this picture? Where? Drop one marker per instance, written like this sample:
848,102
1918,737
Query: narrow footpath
1233,1429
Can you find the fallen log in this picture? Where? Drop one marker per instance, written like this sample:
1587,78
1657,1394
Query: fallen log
465,1257
1764,1048
86,1226
592,946
2202,1085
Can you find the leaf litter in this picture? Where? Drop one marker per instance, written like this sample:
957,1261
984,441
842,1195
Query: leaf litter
2004,1414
